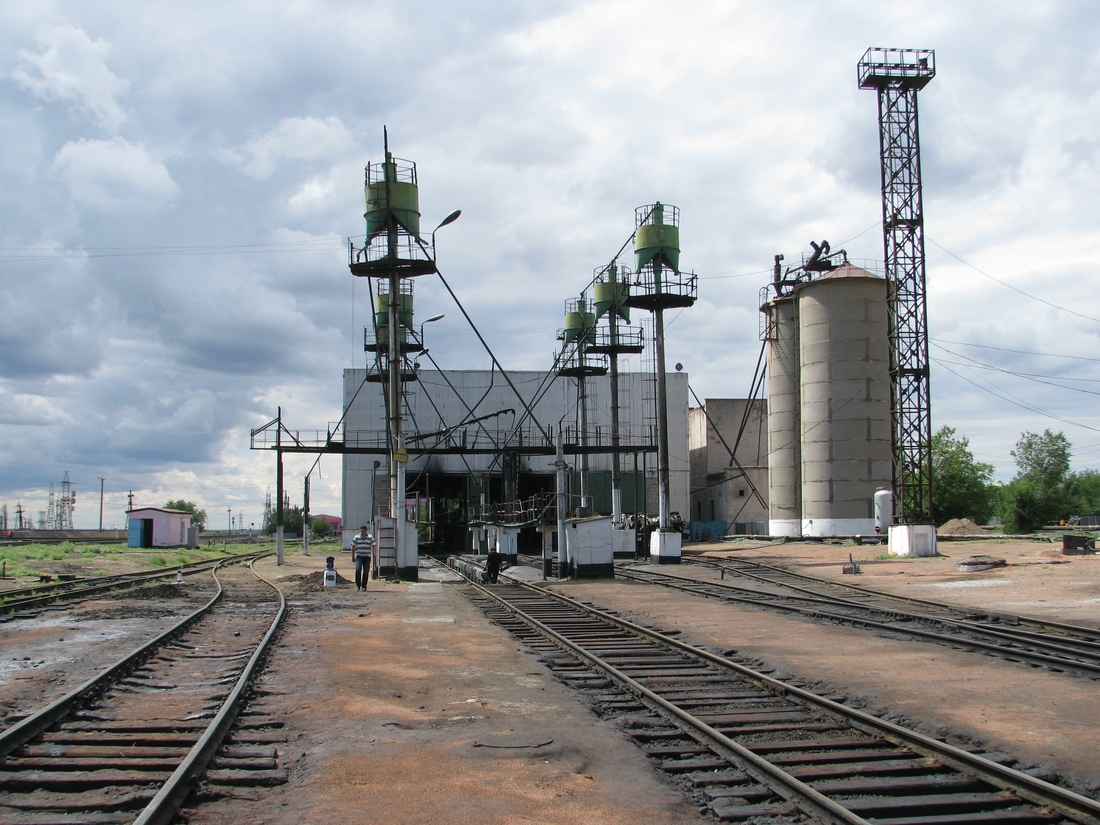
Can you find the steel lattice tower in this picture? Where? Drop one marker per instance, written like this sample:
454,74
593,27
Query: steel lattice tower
897,75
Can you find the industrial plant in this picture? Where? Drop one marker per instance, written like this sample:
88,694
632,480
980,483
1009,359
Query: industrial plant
587,462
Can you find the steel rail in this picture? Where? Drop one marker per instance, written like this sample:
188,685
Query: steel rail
1026,655
26,729
779,780
1026,786
48,593
162,809
1031,620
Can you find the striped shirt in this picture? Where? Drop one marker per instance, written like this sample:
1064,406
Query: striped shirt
361,546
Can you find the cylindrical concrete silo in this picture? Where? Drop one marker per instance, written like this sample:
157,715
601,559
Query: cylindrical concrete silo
844,385
784,430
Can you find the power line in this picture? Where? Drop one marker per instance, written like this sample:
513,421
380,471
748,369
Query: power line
1037,378
86,253
1010,286
1014,400
1015,351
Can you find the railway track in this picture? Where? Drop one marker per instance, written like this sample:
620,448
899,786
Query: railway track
1057,646
130,744
747,747
46,594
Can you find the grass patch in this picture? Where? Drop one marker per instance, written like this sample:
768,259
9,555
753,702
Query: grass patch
158,561
886,555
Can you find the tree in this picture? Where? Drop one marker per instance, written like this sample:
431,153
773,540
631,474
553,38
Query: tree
1083,492
1043,459
960,485
1039,493
319,526
198,517
292,522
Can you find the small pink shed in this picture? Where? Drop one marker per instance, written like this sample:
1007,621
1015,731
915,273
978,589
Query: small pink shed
158,527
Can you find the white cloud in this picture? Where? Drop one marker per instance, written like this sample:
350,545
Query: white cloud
114,175
295,138
72,67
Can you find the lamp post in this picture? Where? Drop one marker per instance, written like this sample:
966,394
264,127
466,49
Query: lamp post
449,219
230,521
101,500
431,320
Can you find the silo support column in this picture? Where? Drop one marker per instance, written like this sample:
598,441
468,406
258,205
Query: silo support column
664,545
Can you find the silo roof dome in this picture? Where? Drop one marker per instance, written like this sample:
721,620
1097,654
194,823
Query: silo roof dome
848,270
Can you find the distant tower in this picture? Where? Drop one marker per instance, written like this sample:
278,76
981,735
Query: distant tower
897,75
612,289
580,333
393,253
659,285
65,504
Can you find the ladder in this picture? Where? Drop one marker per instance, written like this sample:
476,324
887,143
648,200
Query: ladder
385,547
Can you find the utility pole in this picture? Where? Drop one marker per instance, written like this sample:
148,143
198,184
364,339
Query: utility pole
101,480
305,519
279,489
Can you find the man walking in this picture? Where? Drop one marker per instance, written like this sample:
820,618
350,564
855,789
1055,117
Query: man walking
362,546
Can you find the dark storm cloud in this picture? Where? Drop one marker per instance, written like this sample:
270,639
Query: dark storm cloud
201,165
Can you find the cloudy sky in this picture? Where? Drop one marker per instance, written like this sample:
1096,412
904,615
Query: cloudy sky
178,180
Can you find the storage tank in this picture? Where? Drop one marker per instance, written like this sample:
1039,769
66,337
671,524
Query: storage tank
784,430
844,388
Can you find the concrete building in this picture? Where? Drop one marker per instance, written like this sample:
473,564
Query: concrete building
159,527
828,404
464,416
729,493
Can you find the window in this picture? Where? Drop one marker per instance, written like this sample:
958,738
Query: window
740,493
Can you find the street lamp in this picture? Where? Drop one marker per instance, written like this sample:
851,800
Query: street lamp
431,320
449,219
230,521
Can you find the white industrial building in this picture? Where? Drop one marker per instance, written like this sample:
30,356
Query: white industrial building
484,447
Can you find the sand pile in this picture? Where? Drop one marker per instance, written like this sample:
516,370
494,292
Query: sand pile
960,527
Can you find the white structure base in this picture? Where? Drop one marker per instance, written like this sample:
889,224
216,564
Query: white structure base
588,542
506,541
408,560
838,527
913,540
785,527
622,543
664,548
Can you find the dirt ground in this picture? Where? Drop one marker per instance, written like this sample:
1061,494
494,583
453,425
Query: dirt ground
45,655
405,705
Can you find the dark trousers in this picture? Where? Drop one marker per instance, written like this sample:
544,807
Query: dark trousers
362,571
492,567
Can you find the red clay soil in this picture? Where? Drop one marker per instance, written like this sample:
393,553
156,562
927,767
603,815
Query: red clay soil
405,705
